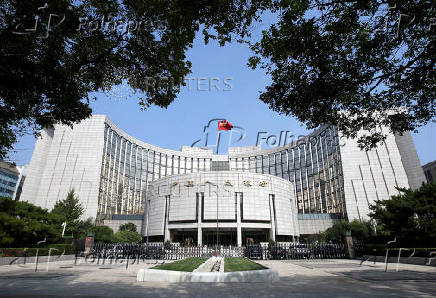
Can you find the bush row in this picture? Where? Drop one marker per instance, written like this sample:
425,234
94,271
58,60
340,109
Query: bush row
43,251
380,250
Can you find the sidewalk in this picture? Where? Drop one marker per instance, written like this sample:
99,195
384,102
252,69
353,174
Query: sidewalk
321,278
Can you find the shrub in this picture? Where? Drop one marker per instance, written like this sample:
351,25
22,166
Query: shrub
103,234
127,237
128,227
409,216
43,251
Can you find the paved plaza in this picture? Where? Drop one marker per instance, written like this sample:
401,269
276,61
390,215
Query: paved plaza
322,278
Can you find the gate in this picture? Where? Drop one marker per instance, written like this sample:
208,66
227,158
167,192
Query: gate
158,251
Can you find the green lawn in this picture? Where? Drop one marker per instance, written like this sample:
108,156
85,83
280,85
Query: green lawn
240,264
187,265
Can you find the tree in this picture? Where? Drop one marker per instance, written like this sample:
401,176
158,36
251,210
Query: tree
373,59
69,210
409,216
23,224
128,227
103,234
323,56
84,227
127,236
47,74
336,233
359,230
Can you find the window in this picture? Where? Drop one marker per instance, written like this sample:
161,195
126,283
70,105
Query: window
220,166
272,168
265,165
252,163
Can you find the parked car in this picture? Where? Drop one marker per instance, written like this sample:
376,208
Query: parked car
278,253
154,252
254,252
300,251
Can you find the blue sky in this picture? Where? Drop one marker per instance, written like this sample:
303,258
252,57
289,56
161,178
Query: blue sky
183,121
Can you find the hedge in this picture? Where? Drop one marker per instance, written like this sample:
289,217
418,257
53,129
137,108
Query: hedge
43,251
380,250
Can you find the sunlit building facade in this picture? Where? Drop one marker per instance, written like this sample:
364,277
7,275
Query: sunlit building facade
11,180
280,193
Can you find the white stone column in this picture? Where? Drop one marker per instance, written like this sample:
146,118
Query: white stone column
200,236
272,234
238,219
167,230
199,229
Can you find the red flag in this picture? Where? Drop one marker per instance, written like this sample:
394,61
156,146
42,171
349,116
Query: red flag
224,125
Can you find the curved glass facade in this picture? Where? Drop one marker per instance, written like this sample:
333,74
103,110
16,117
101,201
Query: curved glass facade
111,171
313,165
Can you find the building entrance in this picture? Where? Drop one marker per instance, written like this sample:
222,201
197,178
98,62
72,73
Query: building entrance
186,237
254,236
226,237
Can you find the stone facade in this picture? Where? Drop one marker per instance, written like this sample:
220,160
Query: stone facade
309,184
241,201
65,158
375,174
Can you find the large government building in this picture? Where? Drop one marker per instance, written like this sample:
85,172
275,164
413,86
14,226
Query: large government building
280,194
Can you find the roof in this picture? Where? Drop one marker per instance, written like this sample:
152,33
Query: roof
10,167
431,164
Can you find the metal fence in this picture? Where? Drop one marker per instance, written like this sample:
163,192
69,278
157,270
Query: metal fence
261,252
160,252
296,251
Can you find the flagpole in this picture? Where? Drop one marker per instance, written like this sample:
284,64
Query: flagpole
216,251
218,137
